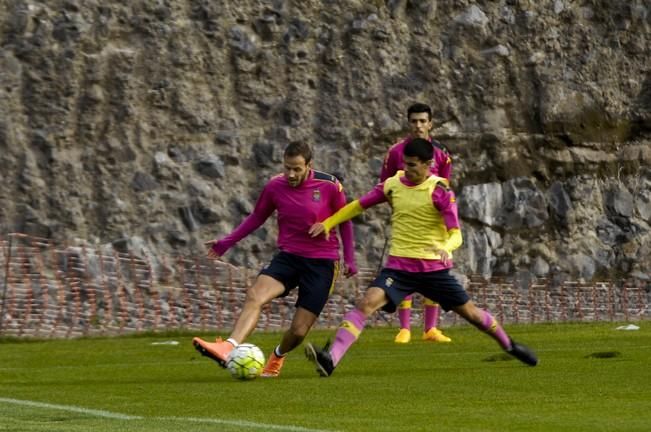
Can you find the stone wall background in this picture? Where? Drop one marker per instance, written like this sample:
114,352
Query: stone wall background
152,125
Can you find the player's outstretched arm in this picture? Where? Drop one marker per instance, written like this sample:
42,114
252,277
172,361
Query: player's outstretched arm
344,214
264,207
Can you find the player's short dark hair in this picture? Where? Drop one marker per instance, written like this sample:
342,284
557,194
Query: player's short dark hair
420,108
420,148
298,148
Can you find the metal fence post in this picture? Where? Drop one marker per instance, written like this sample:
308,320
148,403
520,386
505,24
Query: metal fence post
6,281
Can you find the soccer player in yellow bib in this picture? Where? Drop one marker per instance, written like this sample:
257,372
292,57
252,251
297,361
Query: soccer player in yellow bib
425,231
419,116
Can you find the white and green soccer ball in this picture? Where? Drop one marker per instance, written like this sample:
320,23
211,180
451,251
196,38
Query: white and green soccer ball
245,362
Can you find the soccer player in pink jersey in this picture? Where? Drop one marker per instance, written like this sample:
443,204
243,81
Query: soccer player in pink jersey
425,231
300,197
419,116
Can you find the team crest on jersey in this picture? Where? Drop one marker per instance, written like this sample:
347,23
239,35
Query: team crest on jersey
389,282
316,195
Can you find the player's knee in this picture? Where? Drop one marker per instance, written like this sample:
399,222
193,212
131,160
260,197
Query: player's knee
255,297
470,313
368,306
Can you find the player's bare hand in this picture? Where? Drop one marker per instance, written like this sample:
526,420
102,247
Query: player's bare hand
445,256
317,229
350,271
442,253
211,252
214,255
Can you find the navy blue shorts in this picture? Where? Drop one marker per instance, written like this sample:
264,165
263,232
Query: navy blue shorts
439,286
315,278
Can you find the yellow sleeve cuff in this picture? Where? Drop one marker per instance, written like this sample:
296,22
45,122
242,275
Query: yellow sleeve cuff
454,240
344,214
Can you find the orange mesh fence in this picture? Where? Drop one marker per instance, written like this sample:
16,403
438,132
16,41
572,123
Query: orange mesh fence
54,290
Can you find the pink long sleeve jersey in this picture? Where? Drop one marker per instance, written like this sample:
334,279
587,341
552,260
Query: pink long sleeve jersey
319,196
394,160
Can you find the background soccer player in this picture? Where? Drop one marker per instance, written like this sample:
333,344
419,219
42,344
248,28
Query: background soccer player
301,196
419,116
425,231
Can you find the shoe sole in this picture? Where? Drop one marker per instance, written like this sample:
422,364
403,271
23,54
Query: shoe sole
529,361
204,352
310,353
437,340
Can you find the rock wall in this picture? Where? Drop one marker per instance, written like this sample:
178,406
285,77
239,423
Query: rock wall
151,125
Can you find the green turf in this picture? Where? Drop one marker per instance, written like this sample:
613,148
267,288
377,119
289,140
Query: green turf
591,377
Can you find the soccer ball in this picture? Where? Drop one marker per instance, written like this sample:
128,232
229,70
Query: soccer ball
245,362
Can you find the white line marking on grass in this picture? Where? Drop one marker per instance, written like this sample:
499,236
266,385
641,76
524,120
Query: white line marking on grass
243,423
119,416
71,408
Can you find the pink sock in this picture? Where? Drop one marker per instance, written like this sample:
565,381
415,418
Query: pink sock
404,313
432,312
495,330
347,333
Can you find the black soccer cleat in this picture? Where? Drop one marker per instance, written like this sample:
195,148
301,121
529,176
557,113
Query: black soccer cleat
523,353
321,358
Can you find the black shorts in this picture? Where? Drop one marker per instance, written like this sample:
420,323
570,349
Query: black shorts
439,286
315,278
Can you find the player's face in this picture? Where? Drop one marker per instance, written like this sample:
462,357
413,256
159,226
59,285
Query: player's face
296,170
416,170
420,125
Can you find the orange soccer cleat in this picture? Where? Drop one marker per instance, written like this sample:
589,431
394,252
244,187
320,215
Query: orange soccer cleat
218,350
273,366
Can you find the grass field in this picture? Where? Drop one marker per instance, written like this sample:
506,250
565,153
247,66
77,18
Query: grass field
130,384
